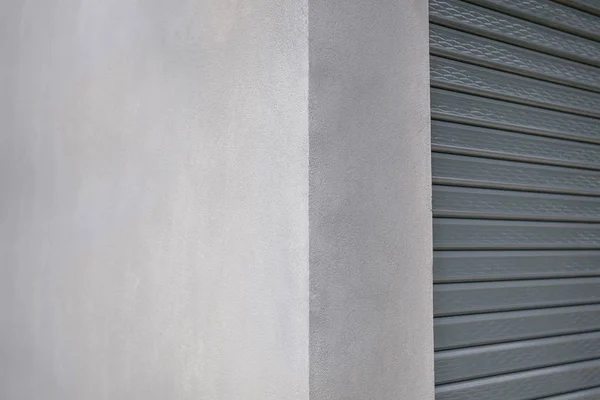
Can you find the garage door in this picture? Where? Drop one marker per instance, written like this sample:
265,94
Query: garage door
516,198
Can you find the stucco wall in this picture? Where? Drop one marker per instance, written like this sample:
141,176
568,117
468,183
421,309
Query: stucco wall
154,228
154,236
370,201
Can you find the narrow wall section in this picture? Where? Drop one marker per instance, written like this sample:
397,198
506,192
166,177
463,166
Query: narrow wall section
370,201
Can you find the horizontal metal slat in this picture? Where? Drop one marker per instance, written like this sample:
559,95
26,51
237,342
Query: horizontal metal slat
525,385
503,27
450,74
460,107
450,169
589,394
459,202
590,6
480,297
465,266
464,46
462,234
485,142
474,330
548,13
482,361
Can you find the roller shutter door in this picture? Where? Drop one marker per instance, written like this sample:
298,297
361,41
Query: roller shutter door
515,104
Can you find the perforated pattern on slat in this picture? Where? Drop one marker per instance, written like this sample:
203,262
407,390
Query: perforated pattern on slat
557,16
591,6
488,82
497,25
465,46
478,141
515,103
472,109
482,172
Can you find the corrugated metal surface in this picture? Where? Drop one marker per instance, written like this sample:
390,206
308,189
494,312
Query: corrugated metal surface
516,198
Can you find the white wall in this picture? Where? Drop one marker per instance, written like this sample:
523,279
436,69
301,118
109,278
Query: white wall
154,226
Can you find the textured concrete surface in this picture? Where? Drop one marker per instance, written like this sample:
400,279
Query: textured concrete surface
154,235
154,227
370,201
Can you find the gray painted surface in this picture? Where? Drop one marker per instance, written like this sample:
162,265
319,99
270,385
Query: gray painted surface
515,232
154,228
370,201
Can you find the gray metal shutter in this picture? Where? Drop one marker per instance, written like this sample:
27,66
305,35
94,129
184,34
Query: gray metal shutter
515,103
